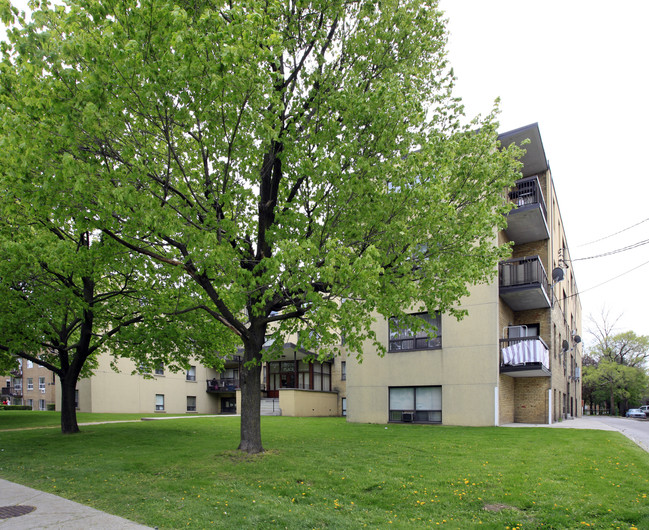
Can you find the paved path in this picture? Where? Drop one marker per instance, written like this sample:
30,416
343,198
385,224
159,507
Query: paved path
634,429
53,512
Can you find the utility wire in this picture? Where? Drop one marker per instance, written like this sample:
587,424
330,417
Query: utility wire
605,282
614,234
616,251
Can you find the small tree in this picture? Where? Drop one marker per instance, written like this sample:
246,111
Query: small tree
301,165
69,294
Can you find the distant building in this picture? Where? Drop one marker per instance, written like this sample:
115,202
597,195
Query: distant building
30,385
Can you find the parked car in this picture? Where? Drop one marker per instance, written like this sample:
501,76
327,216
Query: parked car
645,409
635,413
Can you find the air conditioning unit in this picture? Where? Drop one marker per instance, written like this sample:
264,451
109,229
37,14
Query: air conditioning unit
406,416
42,391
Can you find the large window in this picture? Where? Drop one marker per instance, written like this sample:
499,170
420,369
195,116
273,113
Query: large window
420,404
403,338
160,369
30,383
191,373
41,384
191,403
41,404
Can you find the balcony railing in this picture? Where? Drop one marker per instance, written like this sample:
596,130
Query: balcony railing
528,191
528,220
523,354
222,385
524,283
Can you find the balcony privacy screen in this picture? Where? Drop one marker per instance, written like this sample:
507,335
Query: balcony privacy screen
526,351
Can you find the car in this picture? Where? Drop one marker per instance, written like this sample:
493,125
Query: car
635,413
645,409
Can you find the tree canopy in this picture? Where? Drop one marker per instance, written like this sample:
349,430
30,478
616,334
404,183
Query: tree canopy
300,165
615,368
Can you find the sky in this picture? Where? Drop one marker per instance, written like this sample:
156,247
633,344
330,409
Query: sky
578,68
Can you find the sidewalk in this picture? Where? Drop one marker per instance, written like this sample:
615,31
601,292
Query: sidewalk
50,511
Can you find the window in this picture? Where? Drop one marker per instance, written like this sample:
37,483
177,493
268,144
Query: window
159,402
30,404
30,383
343,370
191,373
41,404
160,370
402,338
41,384
344,406
419,404
191,403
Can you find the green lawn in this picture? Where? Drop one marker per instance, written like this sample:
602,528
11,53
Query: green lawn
326,473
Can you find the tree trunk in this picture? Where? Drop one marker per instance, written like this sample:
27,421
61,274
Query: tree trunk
612,411
250,382
68,409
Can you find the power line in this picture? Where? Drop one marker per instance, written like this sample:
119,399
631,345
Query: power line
616,251
607,281
614,234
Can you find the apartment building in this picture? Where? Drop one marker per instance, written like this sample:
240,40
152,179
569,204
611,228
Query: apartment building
516,356
30,385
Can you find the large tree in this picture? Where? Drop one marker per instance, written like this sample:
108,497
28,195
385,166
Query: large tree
615,367
69,294
302,164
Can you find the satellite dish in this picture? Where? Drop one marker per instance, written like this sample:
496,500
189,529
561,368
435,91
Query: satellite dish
577,339
565,345
557,274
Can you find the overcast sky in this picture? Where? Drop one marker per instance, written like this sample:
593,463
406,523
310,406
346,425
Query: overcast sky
578,68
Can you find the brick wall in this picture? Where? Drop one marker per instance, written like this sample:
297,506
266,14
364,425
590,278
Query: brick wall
531,399
506,400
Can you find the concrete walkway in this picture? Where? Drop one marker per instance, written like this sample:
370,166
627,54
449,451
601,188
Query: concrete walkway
51,511
634,429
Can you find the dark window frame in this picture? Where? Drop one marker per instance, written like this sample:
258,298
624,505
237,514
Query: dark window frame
414,415
399,338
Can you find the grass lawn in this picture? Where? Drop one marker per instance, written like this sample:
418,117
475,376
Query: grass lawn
326,473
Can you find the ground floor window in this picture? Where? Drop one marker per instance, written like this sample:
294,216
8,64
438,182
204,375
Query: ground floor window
41,404
419,404
344,404
299,374
30,403
191,403
159,402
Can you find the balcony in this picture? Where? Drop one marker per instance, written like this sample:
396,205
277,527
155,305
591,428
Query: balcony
219,386
524,357
524,284
527,221
15,391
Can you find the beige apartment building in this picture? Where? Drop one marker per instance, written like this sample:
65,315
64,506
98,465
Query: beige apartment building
30,385
516,356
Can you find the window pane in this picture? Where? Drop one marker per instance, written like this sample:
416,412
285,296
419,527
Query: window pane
402,399
429,398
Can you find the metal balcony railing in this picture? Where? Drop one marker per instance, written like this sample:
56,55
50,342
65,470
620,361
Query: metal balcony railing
523,271
528,191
